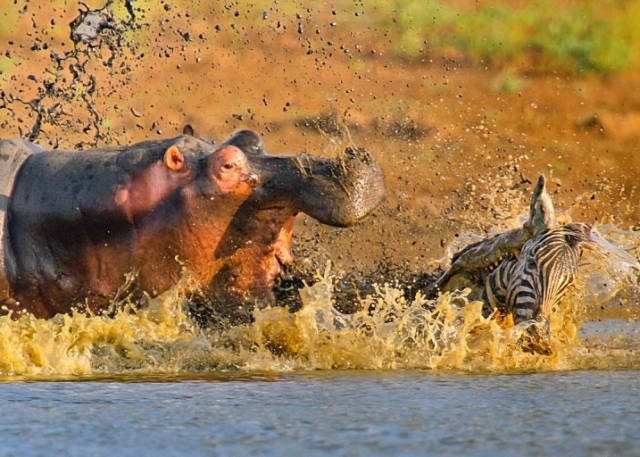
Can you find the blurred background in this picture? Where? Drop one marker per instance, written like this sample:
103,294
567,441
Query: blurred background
462,102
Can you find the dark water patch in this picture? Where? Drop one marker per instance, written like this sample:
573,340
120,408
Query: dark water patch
330,123
404,128
351,287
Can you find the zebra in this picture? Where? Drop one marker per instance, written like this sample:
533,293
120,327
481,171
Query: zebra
531,285
486,254
522,273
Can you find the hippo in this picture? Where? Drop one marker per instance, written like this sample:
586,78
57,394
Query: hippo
77,224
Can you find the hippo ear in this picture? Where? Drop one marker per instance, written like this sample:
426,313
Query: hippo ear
173,158
188,130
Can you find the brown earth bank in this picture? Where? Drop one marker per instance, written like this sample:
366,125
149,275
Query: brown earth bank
460,146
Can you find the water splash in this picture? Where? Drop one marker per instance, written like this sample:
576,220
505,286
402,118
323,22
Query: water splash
387,332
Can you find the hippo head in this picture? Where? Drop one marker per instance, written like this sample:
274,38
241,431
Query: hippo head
185,163
337,192
257,242
227,211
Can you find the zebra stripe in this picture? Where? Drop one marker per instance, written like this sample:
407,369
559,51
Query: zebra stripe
535,283
497,284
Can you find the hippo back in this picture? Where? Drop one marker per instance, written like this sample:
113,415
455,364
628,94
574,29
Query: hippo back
13,153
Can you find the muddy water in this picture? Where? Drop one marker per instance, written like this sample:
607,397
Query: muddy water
410,377
389,330
451,336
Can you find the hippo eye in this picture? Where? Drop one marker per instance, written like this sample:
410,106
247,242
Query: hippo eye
227,166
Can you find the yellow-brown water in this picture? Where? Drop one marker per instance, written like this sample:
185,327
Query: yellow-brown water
389,332
402,380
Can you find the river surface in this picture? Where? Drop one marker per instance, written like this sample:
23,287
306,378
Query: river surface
317,382
590,413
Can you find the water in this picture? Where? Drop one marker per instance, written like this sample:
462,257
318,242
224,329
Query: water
589,413
148,383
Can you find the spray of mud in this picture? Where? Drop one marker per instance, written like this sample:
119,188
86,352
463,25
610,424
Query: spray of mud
388,332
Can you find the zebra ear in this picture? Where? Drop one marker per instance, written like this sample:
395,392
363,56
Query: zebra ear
541,213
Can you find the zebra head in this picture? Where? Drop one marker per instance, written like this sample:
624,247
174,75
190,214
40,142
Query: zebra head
547,265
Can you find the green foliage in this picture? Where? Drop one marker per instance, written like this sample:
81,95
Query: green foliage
580,40
591,36
508,82
5,64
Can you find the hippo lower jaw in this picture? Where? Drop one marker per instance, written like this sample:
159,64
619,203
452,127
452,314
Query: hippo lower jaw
275,266
279,256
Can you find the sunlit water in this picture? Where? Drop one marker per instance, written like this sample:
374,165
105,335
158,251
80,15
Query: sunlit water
590,413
